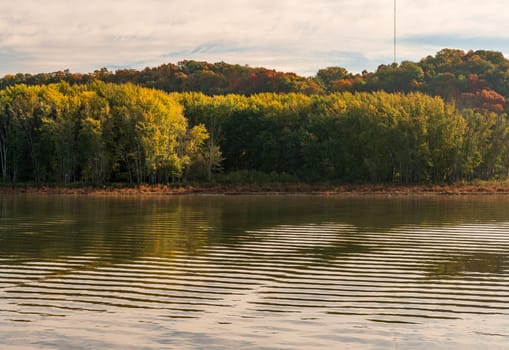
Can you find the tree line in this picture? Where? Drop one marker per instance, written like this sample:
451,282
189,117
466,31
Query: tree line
477,80
102,132
94,133
209,78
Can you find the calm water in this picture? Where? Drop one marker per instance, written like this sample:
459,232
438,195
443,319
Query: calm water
296,272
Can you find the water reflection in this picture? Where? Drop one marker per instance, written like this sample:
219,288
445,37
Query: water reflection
254,271
481,263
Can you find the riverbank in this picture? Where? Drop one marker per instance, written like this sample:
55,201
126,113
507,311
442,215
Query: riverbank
450,189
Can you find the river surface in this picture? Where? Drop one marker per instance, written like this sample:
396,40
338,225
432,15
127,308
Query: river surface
254,272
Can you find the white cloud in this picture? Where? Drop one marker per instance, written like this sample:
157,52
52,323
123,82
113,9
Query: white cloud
296,35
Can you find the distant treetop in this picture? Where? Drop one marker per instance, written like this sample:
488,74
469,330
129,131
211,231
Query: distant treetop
473,79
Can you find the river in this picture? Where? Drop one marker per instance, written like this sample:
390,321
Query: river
254,272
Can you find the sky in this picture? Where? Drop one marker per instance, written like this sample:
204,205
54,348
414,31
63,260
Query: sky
299,36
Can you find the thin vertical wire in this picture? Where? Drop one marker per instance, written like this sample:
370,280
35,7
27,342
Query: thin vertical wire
394,31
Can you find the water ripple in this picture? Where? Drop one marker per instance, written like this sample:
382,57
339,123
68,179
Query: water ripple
155,268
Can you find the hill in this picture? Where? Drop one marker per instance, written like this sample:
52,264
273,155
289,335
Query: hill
473,79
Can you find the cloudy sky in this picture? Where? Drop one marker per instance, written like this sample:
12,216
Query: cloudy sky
290,35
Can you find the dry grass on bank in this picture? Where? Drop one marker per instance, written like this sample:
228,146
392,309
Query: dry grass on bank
454,189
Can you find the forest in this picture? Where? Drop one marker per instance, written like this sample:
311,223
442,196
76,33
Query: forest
100,133
442,119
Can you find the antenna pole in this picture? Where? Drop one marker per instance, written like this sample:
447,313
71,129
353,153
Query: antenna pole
394,31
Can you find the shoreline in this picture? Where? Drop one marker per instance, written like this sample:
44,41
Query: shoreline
272,189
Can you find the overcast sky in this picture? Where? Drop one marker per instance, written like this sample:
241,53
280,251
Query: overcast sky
290,35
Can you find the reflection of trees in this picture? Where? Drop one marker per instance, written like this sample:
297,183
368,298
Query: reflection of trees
123,229
374,213
183,254
114,230
480,263
336,249
382,214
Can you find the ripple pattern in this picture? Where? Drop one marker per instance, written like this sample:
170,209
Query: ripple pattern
308,285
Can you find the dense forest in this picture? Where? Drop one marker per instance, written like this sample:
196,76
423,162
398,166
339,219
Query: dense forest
442,119
103,132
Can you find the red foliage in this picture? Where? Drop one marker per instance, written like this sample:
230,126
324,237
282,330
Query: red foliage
476,84
342,85
485,100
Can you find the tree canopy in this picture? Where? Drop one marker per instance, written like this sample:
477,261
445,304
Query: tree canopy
473,79
102,132
95,133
